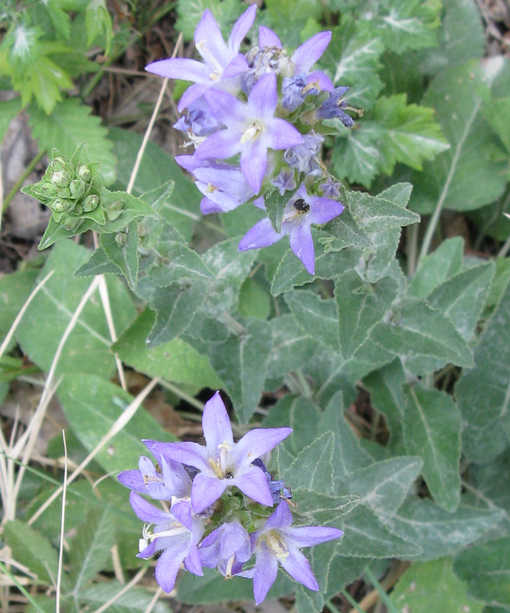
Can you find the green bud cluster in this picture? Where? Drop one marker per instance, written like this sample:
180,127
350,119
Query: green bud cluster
71,190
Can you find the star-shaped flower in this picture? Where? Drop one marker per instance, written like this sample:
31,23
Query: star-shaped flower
223,463
222,62
301,211
251,129
278,543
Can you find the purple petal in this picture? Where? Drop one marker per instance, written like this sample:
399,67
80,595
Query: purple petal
192,454
310,51
301,243
323,210
325,83
206,490
265,574
252,482
237,66
207,207
258,442
263,96
169,564
134,480
267,38
241,28
182,513
261,235
216,425
283,135
234,537
146,512
209,41
254,164
149,551
281,518
221,145
188,162
225,107
192,561
180,68
176,478
311,535
192,94
298,567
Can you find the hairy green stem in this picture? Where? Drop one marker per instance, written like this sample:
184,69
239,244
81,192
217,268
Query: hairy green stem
21,180
350,600
382,592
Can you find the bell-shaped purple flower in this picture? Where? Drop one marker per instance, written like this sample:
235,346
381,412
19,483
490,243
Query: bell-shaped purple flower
251,129
175,534
278,543
330,188
198,121
164,482
301,211
223,463
305,157
223,64
230,543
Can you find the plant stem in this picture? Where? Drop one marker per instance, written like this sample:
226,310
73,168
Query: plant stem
382,592
351,601
21,180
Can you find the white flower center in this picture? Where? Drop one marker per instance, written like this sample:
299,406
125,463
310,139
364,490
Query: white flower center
276,544
252,132
210,59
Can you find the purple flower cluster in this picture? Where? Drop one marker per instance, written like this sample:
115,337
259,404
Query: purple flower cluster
216,508
263,112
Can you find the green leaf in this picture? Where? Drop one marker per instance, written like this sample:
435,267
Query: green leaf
387,397
212,587
8,111
383,486
87,350
465,177
254,300
156,168
241,363
461,37
69,125
92,405
486,568
352,58
497,115
190,11
90,549
291,346
433,586
463,297
432,426
346,233
180,264
487,386
440,532
288,17
408,134
366,537
418,330
97,264
375,214
437,267
15,288
357,157
176,361
361,306
311,312
135,600
33,550
314,509
98,23
125,257
408,24
313,467
298,413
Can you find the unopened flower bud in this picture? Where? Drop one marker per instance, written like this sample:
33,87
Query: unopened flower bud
60,205
121,239
58,164
90,203
72,223
114,210
64,192
48,189
60,179
77,188
142,229
84,173
113,215
78,210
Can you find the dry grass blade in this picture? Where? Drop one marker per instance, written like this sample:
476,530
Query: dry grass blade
125,589
62,524
117,426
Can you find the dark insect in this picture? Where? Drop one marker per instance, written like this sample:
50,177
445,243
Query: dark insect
301,205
